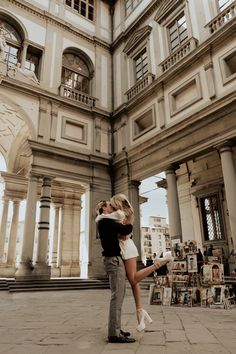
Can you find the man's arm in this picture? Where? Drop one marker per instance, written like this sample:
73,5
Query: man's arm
123,229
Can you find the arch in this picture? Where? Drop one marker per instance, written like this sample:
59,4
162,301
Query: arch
16,129
80,53
12,19
3,165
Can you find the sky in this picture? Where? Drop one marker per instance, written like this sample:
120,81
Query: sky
157,202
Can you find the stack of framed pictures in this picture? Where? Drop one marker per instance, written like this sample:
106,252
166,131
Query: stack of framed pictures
187,284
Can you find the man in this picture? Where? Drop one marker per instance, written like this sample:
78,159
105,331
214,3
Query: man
108,230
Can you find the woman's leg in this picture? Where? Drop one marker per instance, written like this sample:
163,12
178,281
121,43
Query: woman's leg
135,276
131,271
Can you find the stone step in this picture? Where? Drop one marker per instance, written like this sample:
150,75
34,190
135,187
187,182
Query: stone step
53,284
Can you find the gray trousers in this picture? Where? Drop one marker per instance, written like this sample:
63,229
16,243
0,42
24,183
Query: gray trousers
115,270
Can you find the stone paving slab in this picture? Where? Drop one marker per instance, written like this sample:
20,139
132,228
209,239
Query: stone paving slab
75,322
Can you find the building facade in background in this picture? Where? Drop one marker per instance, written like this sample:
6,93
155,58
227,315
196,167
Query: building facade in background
155,238
96,96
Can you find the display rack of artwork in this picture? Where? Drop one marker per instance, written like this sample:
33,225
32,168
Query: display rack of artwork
191,282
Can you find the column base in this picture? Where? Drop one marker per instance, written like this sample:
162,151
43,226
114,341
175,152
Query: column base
42,271
24,272
55,272
7,271
96,270
70,271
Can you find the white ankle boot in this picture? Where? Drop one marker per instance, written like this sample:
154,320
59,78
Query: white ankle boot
142,316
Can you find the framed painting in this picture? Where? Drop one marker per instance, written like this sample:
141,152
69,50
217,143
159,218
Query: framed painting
155,295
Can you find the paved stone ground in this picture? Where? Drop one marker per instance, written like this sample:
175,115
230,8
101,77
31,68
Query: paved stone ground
75,322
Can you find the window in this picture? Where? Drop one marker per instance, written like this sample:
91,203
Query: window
83,7
14,49
177,32
228,66
211,217
13,40
141,65
75,73
33,60
224,3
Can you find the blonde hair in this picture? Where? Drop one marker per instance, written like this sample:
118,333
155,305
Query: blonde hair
120,201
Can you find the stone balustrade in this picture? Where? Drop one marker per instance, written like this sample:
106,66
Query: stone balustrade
179,54
76,95
140,86
225,16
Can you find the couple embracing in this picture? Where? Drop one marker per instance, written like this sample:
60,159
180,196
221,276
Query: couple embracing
115,224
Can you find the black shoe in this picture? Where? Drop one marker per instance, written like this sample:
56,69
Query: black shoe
120,339
125,334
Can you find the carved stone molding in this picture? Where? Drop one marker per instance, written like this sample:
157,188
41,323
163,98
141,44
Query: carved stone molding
166,8
136,38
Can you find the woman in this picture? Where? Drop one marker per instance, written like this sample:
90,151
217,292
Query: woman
129,255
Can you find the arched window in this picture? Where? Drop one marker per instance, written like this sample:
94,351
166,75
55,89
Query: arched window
14,43
17,48
75,73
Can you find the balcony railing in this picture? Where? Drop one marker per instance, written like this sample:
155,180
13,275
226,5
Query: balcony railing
225,16
179,54
78,96
140,86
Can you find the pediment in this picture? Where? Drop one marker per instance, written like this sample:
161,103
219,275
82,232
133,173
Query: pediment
166,8
136,38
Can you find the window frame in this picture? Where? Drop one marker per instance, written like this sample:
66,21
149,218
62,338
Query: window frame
76,72
176,19
78,11
139,56
218,191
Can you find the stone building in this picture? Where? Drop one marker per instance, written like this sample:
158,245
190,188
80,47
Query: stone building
96,96
155,237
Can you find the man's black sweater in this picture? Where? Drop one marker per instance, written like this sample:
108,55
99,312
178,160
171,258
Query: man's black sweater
109,230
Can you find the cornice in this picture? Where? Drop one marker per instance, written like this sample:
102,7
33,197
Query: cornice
63,153
46,16
209,113
166,8
60,100
136,24
137,37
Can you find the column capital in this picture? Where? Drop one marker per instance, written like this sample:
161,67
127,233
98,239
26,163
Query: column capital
172,168
224,146
134,183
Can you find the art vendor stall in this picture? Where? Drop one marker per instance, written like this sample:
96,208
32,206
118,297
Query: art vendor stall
192,280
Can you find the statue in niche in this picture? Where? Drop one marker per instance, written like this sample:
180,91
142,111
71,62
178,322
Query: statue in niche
17,69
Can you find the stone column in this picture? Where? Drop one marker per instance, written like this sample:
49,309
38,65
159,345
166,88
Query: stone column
3,228
134,200
23,54
96,192
66,238
75,266
55,248
229,175
13,234
24,271
173,205
42,269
